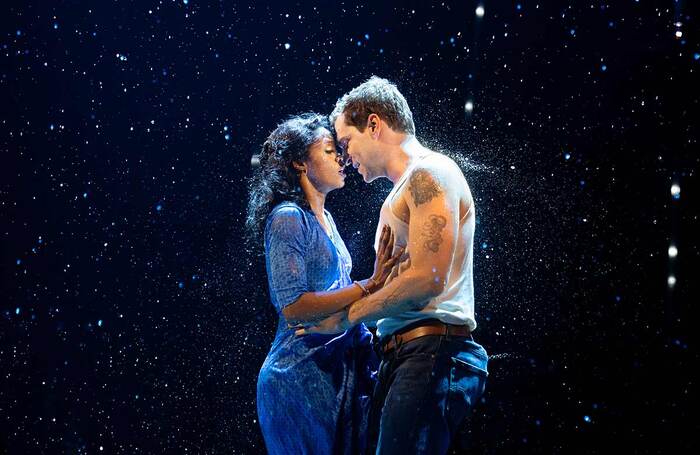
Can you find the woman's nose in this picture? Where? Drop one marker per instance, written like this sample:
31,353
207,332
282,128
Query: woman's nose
343,159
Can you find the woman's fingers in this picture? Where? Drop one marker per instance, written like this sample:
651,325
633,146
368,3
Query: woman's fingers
397,255
395,266
394,272
383,238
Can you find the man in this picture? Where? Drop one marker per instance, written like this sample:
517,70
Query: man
432,371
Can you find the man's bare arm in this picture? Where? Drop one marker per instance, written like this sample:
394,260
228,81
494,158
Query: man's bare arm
433,229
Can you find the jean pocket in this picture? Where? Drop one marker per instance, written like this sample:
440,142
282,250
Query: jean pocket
467,383
463,364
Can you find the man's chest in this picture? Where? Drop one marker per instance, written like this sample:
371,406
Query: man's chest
399,206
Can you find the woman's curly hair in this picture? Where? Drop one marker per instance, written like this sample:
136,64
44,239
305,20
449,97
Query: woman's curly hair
275,180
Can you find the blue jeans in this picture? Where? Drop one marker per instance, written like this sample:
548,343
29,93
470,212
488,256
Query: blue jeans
425,389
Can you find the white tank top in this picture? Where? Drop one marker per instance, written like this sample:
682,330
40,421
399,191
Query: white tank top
455,305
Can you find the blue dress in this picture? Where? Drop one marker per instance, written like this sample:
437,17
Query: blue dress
313,391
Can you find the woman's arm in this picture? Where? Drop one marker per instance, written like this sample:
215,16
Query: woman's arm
313,306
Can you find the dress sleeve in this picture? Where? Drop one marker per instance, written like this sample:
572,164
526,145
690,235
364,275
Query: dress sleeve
286,252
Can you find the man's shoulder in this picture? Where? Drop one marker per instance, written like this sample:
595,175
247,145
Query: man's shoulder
438,167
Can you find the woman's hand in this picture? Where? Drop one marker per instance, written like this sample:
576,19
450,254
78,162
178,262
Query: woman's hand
398,269
385,261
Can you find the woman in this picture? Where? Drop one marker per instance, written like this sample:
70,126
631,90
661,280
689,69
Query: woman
313,391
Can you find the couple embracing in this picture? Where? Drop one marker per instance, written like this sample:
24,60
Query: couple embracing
320,389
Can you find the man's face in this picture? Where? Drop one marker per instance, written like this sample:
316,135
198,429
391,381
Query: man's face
360,148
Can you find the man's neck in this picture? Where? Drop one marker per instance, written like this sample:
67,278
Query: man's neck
402,157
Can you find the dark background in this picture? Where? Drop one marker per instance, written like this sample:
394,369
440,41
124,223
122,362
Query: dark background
133,319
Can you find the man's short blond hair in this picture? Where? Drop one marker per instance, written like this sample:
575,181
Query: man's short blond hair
375,96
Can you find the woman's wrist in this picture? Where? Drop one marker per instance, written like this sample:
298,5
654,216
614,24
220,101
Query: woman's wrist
361,285
371,285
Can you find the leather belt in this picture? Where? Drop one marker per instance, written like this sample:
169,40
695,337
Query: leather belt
431,327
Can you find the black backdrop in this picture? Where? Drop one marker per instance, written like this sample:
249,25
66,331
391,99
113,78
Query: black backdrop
133,319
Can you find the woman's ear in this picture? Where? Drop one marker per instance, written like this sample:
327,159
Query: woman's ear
299,166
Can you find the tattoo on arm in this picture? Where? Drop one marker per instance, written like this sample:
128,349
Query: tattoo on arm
390,299
431,231
423,187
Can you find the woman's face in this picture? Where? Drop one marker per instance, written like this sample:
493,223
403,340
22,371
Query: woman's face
324,165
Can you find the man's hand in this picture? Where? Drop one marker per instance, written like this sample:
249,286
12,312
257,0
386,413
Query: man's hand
335,323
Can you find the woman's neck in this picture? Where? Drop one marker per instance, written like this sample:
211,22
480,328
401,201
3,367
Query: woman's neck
315,198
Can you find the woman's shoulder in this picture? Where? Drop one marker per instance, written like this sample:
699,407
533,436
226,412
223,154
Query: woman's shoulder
286,208
287,214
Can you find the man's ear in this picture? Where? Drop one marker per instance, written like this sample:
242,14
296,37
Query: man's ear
374,125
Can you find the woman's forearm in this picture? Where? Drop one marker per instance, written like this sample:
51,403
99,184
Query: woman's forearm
313,306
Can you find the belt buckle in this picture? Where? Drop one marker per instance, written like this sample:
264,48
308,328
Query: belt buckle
393,338
398,341
385,345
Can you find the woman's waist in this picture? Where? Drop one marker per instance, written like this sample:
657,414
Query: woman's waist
358,335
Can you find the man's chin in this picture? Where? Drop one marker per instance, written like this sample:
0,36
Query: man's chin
369,178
